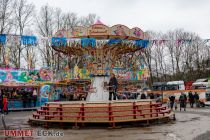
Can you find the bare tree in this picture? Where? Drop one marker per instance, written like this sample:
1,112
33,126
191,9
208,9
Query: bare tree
88,20
170,45
148,56
45,25
30,57
59,19
29,54
6,11
6,19
177,48
23,18
182,56
155,55
14,56
71,20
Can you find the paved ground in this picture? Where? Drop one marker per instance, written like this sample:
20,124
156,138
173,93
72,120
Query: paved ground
194,124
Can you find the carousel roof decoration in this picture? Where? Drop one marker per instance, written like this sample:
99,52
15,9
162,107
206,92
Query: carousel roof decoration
78,39
99,22
99,45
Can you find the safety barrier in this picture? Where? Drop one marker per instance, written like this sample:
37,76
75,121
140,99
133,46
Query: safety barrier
177,91
105,112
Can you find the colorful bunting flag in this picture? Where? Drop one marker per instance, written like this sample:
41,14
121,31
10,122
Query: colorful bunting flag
2,39
13,40
114,41
142,43
88,42
59,41
28,40
10,40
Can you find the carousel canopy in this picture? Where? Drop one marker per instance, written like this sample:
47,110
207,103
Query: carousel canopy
101,31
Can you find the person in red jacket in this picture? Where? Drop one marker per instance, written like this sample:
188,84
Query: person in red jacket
5,104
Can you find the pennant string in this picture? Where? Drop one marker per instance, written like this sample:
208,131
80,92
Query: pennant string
11,40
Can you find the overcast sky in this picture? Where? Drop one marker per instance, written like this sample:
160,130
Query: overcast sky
158,15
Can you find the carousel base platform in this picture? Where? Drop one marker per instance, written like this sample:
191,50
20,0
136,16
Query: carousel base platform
23,109
111,114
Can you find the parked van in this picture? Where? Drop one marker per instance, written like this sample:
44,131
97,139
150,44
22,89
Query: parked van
159,86
202,84
166,89
174,85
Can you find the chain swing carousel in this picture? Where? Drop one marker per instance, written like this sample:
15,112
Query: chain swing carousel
100,48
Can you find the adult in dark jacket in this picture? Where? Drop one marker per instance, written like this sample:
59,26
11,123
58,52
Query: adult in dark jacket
172,99
1,101
183,101
191,99
113,87
143,96
152,96
196,97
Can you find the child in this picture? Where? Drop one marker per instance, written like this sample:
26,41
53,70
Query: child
5,105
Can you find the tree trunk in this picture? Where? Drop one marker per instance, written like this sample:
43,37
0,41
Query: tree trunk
19,51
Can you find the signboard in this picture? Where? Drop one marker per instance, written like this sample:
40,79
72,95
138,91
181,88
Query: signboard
77,31
120,30
136,33
12,75
3,75
98,29
61,33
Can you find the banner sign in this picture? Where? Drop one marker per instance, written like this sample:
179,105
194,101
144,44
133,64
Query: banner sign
64,38
16,40
12,75
120,30
98,29
136,33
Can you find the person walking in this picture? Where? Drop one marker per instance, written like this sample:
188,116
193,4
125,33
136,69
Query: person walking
113,87
196,96
172,100
183,101
5,105
191,99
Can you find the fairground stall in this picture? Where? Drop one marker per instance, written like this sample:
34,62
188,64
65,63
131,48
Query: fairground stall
21,95
71,90
23,88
